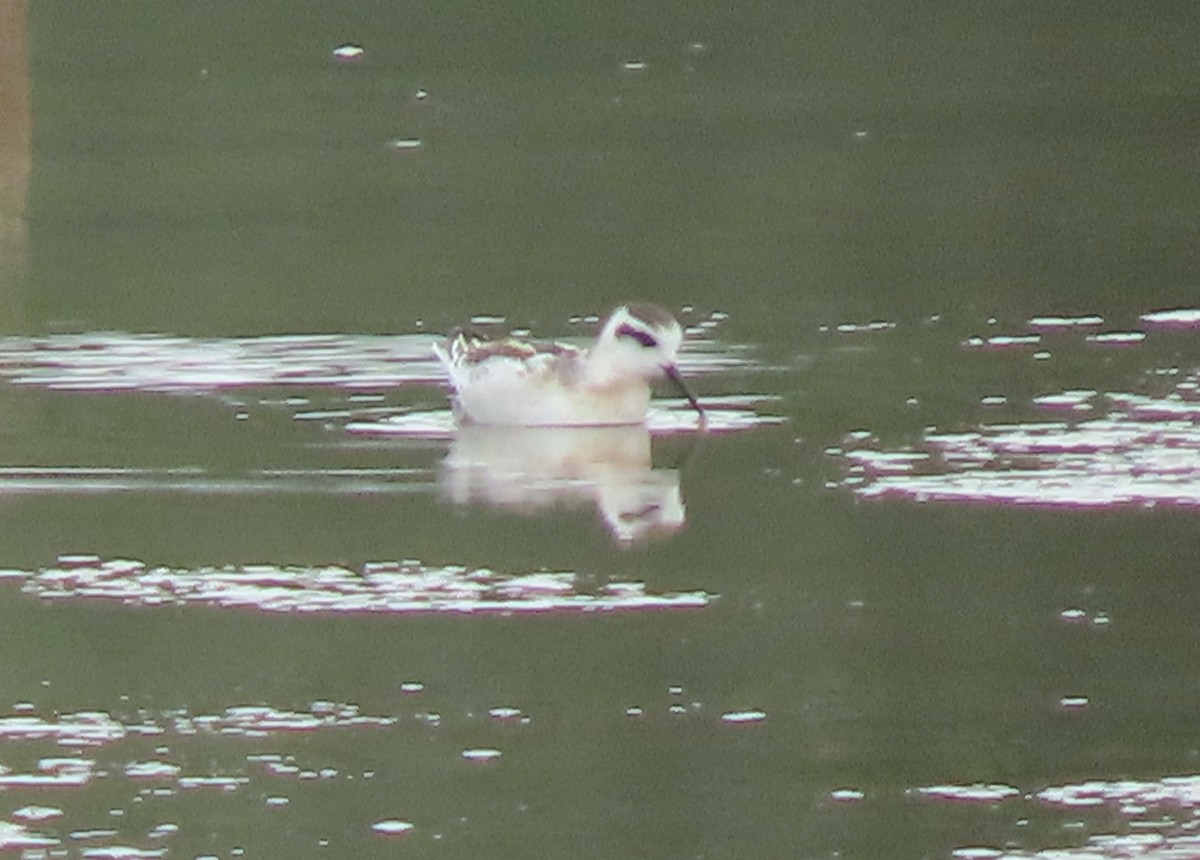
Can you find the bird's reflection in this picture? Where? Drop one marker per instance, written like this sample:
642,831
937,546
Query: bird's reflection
532,468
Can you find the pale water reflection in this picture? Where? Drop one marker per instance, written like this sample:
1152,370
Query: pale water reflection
159,770
394,588
528,469
1123,819
1086,447
636,479
155,770
118,361
146,756
365,385
124,361
537,469
726,413
196,480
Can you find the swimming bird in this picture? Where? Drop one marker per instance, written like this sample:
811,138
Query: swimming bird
518,382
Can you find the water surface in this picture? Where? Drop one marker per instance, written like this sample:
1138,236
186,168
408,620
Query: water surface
928,593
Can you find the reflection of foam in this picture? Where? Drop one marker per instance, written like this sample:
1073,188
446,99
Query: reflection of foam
535,467
400,588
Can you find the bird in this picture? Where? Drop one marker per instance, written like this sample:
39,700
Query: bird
517,382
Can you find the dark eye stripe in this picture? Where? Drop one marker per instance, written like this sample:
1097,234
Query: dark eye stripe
644,338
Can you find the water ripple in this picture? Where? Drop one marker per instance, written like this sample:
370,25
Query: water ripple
114,361
723,414
118,361
193,479
401,588
1138,450
1153,818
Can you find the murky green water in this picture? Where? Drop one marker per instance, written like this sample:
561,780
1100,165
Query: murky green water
927,593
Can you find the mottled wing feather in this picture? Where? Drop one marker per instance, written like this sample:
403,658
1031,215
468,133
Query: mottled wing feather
476,350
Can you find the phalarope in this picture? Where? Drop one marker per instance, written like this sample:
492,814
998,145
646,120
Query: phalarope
524,383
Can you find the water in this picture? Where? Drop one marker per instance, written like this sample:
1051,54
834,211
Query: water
924,589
